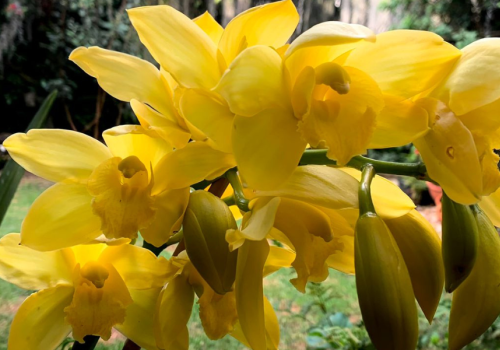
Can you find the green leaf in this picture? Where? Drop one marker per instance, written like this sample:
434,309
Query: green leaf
12,173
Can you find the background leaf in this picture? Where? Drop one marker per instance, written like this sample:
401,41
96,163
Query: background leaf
12,173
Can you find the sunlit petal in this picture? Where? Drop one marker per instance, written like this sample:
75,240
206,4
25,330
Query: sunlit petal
57,155
123,76
249,292
189,165
31,269
258,73
133,140
60,217
178,44
269,25
405,62
267,141
210,26
475,81
39,323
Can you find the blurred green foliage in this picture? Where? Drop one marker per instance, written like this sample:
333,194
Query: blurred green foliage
337,331
36,38
459,22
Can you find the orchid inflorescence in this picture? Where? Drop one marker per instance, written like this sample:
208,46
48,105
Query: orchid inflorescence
244,141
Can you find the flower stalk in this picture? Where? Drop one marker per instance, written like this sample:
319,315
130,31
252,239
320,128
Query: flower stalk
417,170
239,197
364,193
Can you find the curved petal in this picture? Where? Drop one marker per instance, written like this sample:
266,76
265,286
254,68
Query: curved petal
421,249
261,220
217,312
166,128
254,82
475,81
210,26
177,44
305,234
194,163
138,267
85,253
173,310
57,155
319,185
270,25
124,77
343,259
311,217
267,141
486,146
278,258
389,200
139,321
209,115
60,217
313,56
400,122
31,269
170,207
344,123
249,292
330,34
450,155
272,328
491,206
39,323
405,62
133,140
482,120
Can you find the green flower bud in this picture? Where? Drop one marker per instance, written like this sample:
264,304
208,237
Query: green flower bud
384,287
476,304
460,236
206,221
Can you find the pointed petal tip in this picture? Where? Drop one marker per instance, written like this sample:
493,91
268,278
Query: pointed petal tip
77,52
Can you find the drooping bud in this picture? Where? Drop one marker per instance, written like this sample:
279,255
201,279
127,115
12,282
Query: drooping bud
459,242
385,292
384,287
476,303
206,221
420,246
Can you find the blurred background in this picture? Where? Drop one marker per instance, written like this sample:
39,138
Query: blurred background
36,38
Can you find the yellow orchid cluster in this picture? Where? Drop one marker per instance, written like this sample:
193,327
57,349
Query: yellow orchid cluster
245,140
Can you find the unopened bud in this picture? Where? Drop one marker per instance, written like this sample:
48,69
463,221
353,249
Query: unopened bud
206,221
459,242
384,287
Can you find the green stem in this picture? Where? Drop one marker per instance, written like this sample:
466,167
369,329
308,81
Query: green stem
364,192
201,185
176,238
229,201
239,197
417,170
90,343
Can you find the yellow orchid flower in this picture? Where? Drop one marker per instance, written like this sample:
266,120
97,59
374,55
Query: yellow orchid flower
220,314
85,289
323,90
192,55
464,129
116,190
